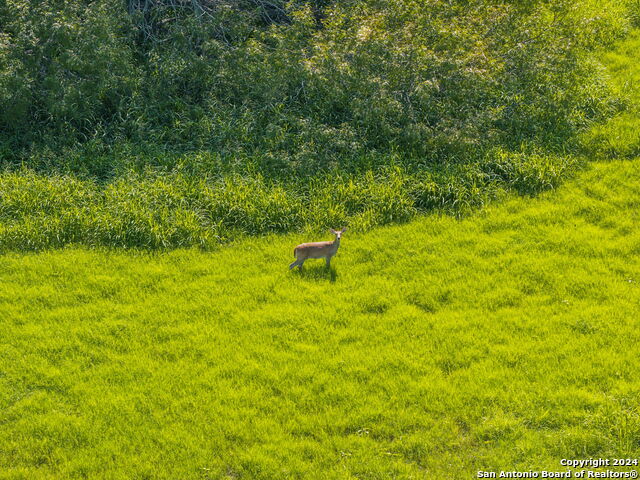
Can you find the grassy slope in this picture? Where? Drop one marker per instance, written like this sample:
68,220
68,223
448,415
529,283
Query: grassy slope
431,350
620,136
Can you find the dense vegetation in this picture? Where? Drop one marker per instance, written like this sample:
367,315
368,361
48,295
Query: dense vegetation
504,341
169,123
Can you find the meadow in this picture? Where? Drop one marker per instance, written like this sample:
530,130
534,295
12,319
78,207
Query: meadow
481,313
507,340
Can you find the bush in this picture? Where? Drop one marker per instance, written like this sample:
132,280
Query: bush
163,124
304,86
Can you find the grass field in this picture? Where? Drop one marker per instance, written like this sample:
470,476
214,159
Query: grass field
620,136
434,349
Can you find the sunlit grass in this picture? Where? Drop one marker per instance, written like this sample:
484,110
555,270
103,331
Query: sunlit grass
434,349
620,136
430,350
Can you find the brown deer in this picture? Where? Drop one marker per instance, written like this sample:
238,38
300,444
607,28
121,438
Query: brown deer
317,250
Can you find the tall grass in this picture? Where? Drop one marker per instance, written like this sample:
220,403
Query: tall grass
619,137
179,210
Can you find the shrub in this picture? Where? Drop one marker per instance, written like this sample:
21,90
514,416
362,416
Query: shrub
162,124
304,86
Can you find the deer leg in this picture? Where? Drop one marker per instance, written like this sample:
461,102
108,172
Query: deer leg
294,264
328,262
300,263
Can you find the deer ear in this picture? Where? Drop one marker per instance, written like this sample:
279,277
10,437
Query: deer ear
332,231
344,229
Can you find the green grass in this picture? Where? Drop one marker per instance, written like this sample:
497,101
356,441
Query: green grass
507,340
619,137
434,349
161,211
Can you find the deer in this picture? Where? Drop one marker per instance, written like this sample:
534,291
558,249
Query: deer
327,250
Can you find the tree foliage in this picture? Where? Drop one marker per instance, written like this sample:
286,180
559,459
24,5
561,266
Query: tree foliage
297,85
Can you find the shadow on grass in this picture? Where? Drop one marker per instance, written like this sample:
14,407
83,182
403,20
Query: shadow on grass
317,273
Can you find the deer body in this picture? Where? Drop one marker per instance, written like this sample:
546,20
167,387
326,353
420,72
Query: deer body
324,250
